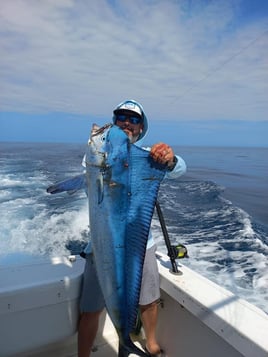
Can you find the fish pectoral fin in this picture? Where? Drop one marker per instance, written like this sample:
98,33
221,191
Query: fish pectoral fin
100,189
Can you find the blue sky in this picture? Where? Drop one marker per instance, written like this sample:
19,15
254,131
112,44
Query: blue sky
199,68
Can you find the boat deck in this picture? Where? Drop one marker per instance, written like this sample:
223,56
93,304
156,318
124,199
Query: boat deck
103,349
106,344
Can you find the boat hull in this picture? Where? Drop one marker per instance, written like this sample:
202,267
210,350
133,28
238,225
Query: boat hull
38,303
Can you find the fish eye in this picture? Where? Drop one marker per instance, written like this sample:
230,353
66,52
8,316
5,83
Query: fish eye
103,138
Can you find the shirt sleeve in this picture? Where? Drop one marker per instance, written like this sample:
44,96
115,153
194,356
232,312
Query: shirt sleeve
179,169
83,163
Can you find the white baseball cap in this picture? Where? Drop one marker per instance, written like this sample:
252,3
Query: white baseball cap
130,105
135,107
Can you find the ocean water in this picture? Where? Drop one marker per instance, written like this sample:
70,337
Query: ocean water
219,210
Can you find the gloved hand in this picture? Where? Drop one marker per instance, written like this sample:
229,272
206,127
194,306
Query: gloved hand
162,153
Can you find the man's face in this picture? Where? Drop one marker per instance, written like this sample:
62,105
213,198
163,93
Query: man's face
131,124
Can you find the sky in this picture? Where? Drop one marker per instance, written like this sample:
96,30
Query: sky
198,67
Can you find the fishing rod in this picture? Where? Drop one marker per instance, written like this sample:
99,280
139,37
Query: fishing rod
174,252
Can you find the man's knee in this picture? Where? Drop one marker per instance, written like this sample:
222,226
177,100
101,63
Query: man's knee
151,305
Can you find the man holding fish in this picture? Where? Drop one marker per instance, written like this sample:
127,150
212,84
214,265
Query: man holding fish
130,117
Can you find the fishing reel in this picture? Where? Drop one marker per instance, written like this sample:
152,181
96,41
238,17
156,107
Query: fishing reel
178,252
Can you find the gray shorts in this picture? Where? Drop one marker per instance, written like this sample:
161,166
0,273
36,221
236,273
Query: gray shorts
91,295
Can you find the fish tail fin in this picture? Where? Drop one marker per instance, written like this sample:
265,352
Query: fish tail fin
126,349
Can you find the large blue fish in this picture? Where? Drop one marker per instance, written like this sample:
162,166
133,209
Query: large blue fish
122,184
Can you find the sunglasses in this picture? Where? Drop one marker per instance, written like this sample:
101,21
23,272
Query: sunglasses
131,119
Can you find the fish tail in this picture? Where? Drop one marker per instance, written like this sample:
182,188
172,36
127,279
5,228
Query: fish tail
126,349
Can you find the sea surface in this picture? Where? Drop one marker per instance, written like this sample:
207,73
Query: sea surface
219,210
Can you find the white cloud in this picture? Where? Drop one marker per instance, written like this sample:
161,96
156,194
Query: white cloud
180,60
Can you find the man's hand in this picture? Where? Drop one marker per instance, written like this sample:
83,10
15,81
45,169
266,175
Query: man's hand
162,153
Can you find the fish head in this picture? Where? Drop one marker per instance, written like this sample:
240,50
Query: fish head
107,144
97,145
98,136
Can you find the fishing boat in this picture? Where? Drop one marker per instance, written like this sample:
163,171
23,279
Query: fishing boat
39,314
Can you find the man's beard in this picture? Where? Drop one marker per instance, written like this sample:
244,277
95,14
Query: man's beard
132,138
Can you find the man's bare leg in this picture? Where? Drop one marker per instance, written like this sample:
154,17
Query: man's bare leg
87,331
149,315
